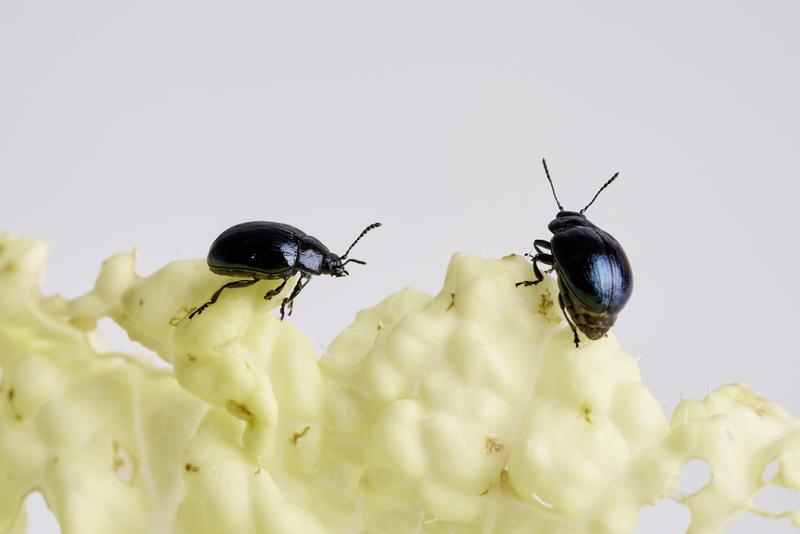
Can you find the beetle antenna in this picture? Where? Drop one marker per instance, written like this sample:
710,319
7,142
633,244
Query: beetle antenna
601,190
367,229
547,172
354,261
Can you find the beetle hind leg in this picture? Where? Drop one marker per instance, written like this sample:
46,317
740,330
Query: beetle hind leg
215,296
546,259
569,321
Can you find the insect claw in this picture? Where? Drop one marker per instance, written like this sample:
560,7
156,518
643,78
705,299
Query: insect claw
198,311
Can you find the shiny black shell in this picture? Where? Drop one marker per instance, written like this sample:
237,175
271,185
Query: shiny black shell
594,274
263,249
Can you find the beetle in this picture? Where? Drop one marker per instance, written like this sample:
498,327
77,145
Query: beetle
595,279
263,250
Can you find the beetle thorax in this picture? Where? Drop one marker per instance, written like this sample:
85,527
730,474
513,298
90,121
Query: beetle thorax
568,219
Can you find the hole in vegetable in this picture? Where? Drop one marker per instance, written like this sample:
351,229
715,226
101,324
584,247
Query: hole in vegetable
777,500
753,524
770,471
666,516
40,519
695,475
114,338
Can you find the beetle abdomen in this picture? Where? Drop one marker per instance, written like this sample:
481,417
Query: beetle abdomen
258,248
594,269
593,324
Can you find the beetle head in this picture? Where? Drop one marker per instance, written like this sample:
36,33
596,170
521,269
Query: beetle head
568,219
333,265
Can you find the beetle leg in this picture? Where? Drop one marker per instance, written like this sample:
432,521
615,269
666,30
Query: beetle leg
569,321
298,287
547,259
215,296
541,243
274,291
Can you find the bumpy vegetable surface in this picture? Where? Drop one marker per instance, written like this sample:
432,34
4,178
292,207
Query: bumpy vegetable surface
468,412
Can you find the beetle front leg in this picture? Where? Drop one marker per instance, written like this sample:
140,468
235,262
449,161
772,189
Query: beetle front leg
298,287
540,244
569,321
215,296
547,259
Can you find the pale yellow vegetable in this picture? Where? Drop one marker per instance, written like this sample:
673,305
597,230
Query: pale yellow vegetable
468,412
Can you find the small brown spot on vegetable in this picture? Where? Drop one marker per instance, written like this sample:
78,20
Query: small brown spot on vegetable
141,301
240,411
11,394
122,463
191,468
504,481
175,321
545,303
489,488
452,301
586,410
191,357
509,256
297,435
493,445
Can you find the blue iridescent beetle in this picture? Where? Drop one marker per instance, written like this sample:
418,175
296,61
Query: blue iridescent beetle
595,279
264,250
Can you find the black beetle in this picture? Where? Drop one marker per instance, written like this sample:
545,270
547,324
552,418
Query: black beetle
594,276
269,250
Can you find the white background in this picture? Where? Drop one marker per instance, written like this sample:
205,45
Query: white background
160,124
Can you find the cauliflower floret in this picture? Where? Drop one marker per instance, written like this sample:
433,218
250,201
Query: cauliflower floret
467,412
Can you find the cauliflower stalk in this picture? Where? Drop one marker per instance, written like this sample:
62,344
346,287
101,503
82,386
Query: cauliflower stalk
467,412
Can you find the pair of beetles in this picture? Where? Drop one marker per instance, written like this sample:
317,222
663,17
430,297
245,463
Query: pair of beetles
594,276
